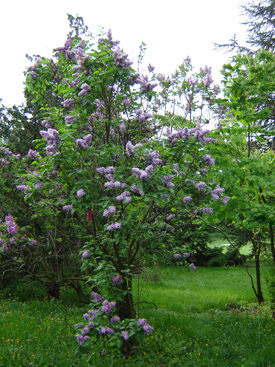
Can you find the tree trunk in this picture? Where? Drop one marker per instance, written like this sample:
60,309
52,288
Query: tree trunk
258,276
126,310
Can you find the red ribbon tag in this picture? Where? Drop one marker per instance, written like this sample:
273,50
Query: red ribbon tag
90,215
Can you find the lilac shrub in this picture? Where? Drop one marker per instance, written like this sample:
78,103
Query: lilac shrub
106,155
103,326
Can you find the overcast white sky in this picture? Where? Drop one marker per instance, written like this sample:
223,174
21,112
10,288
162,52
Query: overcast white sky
172,30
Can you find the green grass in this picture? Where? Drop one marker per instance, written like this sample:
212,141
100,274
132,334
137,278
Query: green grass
206,317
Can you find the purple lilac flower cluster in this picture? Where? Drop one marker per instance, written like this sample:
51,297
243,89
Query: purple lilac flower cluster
145,85
84,142
23,188
86,254
208,161
187,199
146,327
107,306
130,148
69,54
11,225
124,196
117,279
215,193
167,181
69,119
109,211
142,116
32,153
137,190
143,175
67,208
80,193
170,217
153,158
121,59
52,138
207,77
112,227
186,133
85,90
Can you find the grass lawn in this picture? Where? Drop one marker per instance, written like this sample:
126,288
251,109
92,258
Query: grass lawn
208,317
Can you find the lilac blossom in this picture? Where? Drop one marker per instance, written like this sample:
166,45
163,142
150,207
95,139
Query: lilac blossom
52,138
186,255
67,208
125,197
207,211
225,200
68,102
110,210
97,297
23,188
102,331
104,171
187,199
85,254
121,59
208,160
112,227
81,339
216,192
200,185
147,328
143,175
130,148
85,90
85,330
125,335
114,320
107,306
32,153
84,142
80,193
145,85
109,331
192,267
142,322
170,217
137,190
114,184
69,119
177,256
117,280
38,186
86,316
167,181
122,127
47,124
11,225
13,241
154,158
126,102
142,116
5,247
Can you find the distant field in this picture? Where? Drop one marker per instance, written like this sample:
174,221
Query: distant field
221,242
